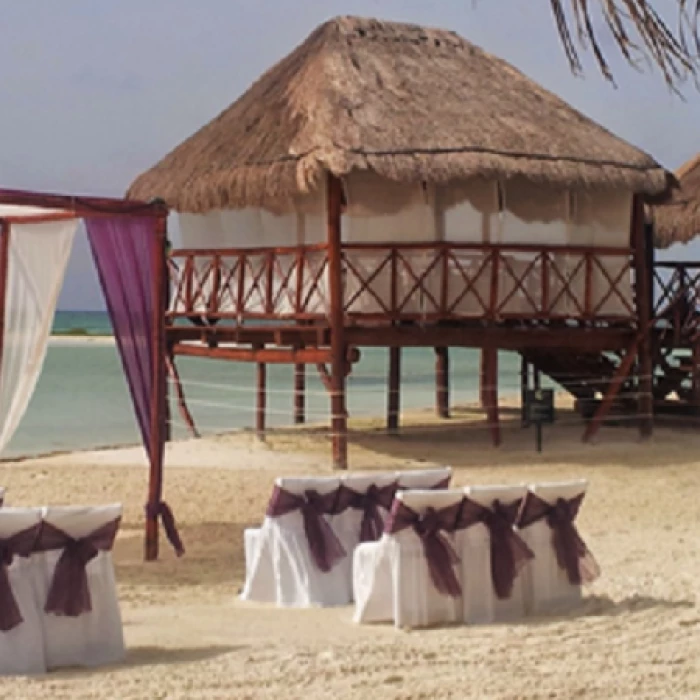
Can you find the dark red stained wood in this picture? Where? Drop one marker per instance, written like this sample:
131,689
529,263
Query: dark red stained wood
643,296
337,323
299,394
158,390
261,398
82,205
442,382
394,390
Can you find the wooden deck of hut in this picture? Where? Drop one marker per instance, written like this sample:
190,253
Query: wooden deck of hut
395,186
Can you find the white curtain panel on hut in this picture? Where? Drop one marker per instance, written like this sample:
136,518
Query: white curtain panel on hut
37,260
602,219
532,215
467,213
380,211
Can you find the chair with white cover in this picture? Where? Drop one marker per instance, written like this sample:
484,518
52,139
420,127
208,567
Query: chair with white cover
492,555
436,478
364,501
21,634
562,560
296,553
424,587
81,617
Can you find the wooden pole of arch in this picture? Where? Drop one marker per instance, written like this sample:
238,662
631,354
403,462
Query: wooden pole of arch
339,426
158,390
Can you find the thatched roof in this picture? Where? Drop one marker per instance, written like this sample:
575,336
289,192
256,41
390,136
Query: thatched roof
678,219
410,103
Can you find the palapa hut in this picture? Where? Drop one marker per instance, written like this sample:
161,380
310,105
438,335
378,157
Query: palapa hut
677,220
391,185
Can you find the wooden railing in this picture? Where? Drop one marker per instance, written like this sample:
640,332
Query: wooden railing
677,297
428,282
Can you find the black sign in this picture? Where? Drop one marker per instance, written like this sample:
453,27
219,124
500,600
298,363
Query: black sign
539,405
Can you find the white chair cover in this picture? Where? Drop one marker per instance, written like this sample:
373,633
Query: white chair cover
93,638
394,572
481,605
424,478
546,586
348,523
22,648
281,559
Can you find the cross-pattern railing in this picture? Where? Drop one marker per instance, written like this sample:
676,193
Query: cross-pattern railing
430,282
677,298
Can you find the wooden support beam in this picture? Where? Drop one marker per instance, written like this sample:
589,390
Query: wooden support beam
83,206
483,377
641,241
505,338
261,399
616,382
337,323
490,393
270,356
394,391
299,394
158,390
179,392
442,382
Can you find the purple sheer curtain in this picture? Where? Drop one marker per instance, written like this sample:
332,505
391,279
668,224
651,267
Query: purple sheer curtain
123,250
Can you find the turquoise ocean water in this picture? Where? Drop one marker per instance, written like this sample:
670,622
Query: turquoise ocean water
81,400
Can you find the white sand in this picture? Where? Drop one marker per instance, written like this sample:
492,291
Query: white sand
637,635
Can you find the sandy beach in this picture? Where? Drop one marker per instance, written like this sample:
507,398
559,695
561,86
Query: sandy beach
637,634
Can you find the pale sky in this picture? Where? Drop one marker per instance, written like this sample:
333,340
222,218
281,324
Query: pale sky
96,91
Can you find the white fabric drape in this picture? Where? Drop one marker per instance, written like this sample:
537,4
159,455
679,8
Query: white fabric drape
37,259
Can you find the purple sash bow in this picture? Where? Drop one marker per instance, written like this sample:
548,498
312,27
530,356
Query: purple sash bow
326,550
432,528
21,544
508,552
69,592
573,556
369,502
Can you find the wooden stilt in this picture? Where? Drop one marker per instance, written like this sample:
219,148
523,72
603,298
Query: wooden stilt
524,386
483,381
299,394
641,241
179,392
616,382
442,382
158,391
490,389
261,398
337,324
394,390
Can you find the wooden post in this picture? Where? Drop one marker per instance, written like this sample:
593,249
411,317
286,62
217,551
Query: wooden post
490,390
394,390
524,386
442,382
261,398
483,379
5,228
643,296
696,379
158,390
339,426
299,394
